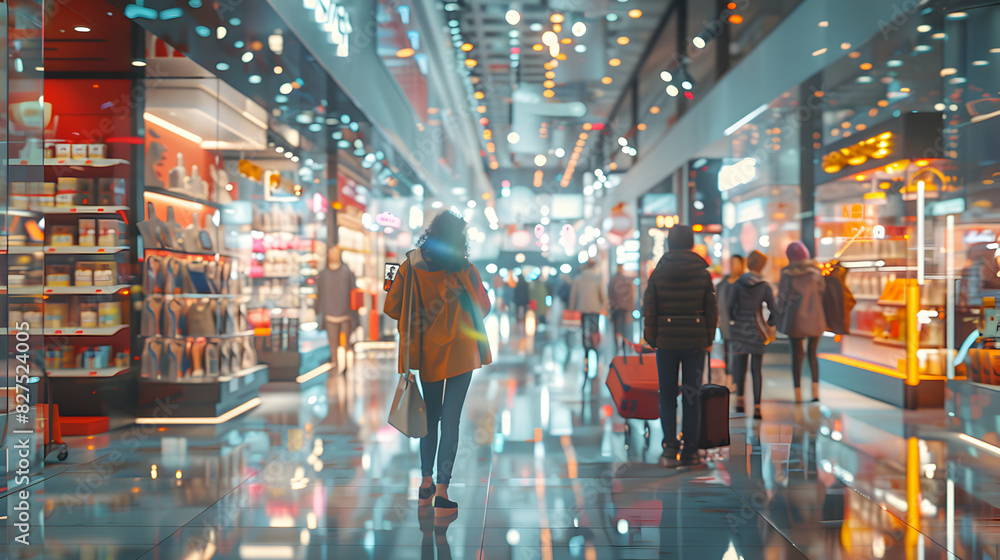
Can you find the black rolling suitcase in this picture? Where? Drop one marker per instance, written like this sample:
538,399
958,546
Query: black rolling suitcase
714,430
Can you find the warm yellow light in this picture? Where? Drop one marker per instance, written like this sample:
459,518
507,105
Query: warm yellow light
584,136
471,63
466,47
615,62
487,134
494,165
866,66
557,28
550,75
537,47
481,108
405,53
612,166
641,126
557,18
562,56
859,177
606,80
654,109
491,147
623,40
548,93
635,14
883,103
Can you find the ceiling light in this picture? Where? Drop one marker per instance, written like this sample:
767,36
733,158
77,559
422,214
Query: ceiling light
635,14
285,88
866,66
623,40
923,28
611,17
222,66
535,26
615,62
278,69
922,48
479,95
579,28
548,84
666,76
276,42
557,18
957,15
513,17
819,52
466,47
948,71
939,36
560,152
698,42
581,48
540,160
406,52
686,85
894,63
845,46
672,90
82,29
622,141
549,93
549,38
824,24
980,62
606,80
220,32
138,63
513,137
864,79
247,57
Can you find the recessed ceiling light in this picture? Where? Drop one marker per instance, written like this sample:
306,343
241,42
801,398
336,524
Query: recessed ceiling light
611,17
923,28
957,15
922,48
894,63
995,51
82,29
513,17
535,26
980,62
138,63
939,36
698,42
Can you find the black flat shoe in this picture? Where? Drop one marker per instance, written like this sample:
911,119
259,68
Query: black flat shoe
443,507
426,495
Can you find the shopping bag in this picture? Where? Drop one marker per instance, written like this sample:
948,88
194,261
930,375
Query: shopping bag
408,413
572,319
765,331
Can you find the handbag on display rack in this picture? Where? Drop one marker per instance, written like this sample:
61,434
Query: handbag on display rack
200,318
152,356
173,316
172,276
198,357
249,353
152,316
174,230
212,359
225,358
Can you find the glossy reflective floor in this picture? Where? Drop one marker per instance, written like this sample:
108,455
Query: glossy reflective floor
543,473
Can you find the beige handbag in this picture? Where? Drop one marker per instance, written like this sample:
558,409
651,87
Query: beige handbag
409,412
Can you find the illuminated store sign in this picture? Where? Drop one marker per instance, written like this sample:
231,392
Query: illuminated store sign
889,146
739,173
334,19
385,219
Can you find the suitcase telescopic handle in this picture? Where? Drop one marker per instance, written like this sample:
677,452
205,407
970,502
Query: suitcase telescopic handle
625,353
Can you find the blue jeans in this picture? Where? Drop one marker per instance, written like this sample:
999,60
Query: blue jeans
444,407
688,365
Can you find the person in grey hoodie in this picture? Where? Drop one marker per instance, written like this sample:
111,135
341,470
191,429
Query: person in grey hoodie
587,296
800,312
751,293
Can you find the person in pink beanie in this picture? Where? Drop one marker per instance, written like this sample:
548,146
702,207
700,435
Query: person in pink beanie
800,312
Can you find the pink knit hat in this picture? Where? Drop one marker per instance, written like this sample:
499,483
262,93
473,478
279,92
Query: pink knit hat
797,251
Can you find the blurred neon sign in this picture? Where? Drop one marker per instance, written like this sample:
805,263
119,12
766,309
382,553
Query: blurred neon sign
334,19
386,219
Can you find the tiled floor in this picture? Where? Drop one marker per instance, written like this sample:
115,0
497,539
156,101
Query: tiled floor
543,473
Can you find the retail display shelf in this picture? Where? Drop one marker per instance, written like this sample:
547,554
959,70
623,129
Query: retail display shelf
87,372
84,331
207,379
240,334
73,162
183,196
68,290
205,296
190,254
83,209
67,250
23,213
889,342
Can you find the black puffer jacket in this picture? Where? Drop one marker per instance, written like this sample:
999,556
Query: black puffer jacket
679,309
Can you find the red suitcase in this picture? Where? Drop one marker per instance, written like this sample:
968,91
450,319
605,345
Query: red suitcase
635,386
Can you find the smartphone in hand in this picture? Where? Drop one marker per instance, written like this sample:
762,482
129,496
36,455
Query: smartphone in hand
390,274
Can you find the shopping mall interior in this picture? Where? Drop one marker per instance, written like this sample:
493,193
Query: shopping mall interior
216,231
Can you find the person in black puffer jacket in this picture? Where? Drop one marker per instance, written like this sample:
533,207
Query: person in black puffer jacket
680,315
745,303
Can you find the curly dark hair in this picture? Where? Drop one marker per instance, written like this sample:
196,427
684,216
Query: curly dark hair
445,242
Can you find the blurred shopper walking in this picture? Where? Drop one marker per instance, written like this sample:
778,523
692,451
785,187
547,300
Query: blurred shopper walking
748,328
800,313
538,292
439,299
680,315
588,297
724,290
521,298
621,294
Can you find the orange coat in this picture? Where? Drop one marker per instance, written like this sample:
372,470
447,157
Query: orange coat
448,344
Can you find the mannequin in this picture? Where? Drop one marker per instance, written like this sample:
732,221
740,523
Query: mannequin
333,308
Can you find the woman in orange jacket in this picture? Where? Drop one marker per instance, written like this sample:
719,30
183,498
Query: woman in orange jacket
440,312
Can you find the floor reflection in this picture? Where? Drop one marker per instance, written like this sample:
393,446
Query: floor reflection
546,470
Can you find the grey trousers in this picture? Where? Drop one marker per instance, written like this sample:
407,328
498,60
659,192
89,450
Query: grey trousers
333,330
